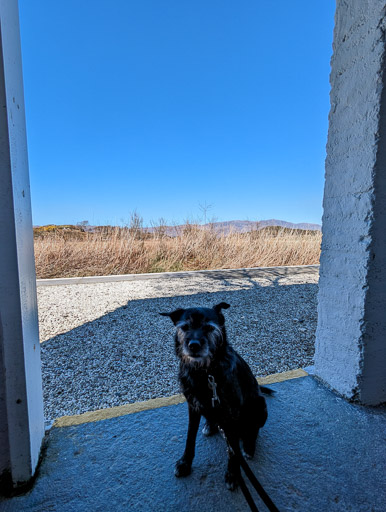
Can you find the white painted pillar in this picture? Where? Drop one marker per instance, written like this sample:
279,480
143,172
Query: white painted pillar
21,401
351,335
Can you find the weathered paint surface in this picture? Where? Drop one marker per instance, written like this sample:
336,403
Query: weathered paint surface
350,348
316,452
22,426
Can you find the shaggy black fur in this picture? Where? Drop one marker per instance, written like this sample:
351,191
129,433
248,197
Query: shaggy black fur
202,347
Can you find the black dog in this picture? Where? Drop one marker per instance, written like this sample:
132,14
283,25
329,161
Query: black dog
217,384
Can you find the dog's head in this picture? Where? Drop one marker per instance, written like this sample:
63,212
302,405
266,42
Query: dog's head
199,333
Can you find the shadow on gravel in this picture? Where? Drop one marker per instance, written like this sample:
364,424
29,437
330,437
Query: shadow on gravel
271,273
127,355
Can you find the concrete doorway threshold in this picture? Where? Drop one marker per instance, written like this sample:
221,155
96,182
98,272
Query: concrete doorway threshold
317,452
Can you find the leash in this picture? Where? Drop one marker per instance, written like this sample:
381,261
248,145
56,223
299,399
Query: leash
257,485
235,450
247,495
252,478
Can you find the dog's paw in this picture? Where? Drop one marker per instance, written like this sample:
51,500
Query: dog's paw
249,448
231,480
247,454
182,468
209,429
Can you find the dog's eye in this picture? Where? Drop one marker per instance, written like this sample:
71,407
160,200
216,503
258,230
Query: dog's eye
208,328
185,327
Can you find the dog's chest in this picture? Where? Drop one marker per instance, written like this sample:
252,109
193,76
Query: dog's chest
205,394
197,391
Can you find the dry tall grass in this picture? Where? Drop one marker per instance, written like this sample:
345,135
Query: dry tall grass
117,251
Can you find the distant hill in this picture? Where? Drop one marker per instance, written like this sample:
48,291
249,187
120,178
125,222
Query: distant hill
242,226
235,226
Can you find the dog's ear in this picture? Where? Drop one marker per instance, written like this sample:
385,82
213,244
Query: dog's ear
219,307
174,315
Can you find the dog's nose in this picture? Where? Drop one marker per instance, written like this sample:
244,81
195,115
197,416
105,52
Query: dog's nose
194,345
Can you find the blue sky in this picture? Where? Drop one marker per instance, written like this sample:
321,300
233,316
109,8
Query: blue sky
161,106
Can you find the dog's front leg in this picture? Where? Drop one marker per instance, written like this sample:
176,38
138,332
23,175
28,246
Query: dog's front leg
232,474
184,464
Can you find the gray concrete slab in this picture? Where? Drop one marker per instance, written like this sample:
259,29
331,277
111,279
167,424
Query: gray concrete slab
236,273
316,453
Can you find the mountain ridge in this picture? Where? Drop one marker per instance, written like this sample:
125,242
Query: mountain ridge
224,227
240,226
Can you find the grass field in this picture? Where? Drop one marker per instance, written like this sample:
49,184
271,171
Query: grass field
71,251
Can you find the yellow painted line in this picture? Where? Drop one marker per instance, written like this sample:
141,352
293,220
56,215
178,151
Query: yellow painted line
281,377
156,403
115,412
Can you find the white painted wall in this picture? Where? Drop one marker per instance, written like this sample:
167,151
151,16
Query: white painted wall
351,335
4,447
22,427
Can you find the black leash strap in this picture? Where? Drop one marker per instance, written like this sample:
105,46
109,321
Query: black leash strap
247,495
243,463
254,481
257,485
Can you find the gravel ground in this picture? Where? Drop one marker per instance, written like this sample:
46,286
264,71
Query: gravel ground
104,344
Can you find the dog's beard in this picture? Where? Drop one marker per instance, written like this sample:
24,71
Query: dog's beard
202,360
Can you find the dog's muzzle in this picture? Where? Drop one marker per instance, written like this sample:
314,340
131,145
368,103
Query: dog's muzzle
194,346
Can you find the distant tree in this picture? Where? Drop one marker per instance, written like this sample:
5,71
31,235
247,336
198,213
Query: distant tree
136,226
159,228
205,207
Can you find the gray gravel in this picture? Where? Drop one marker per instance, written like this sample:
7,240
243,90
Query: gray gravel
104,344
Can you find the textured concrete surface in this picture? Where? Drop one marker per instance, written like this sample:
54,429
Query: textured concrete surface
352,286
316,453
215,274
